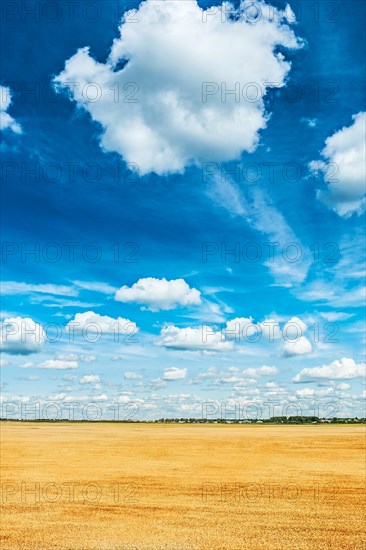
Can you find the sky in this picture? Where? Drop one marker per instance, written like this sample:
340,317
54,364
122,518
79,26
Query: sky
183,205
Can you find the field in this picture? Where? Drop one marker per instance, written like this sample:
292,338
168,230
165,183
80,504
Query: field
105,486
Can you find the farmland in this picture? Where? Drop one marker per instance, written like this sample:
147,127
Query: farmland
103,486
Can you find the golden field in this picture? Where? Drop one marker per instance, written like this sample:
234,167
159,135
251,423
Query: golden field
105,486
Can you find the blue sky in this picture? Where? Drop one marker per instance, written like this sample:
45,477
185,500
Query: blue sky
133,174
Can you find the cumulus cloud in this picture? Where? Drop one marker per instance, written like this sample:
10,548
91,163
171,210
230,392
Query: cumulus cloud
174,373
102,397
132,376
87,358
90,379
102,324
345,368
344,169
57,364
202,338
7,121
240,328
152,111
260,371
294,328
157,294
302,346
243,329
21,336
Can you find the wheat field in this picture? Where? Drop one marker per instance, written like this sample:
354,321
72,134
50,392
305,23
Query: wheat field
105,486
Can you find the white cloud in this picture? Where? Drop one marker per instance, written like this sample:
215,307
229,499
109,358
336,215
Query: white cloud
332,316
157,294
159,120
270,329
124,399
132,376
288,260
13,288
87,358
90,379
6,121
157,384
240,328
67,356
102,397
21,336
302,346
294,328
104,288
305,392
344,168
260,371
343,386
194,339
311,122
103,324
57,364
345,368
174,373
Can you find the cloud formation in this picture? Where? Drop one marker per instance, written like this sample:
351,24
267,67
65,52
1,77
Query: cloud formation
302,346
174,373
57,364
202,338
159,294
102,324
165,112
21,336
7,121
344,169
345,368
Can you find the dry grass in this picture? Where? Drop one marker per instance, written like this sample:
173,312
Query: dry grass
163,471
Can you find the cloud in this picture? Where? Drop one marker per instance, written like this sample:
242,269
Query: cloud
270,328
159,294
343,386
13,288
240,328
87,358
302,346
6,121
344,169
57,364
174,373
103,288
202,338
243,329
294,328
21,336
90,379
260,371
286,258
332,316
345,368
102,397
94,322
152,111
305,392
311,122
132,376
157,384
